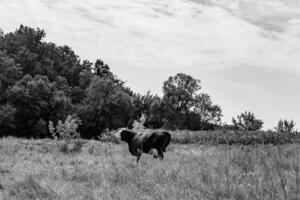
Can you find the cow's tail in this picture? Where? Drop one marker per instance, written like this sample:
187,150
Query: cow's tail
166,140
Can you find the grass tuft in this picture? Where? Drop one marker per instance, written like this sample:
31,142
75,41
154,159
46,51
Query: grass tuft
30,189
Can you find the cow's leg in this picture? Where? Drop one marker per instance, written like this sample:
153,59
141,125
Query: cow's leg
138,155
155,153
160,154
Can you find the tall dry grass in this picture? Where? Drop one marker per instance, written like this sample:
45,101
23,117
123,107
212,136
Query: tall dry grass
37,169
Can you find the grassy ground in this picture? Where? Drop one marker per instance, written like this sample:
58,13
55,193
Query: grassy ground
37,169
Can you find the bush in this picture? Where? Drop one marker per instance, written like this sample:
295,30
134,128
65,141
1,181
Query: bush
139,125
234,137
108,136
67,132
247,121
285,126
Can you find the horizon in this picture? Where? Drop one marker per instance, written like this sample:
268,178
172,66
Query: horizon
246,54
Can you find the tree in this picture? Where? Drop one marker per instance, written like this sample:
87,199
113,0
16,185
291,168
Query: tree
38,77
285,126
22,46
9,74
41,81
179,93
107,106
151,106
101,69
185,106
37,101
7,120
208,112
247,121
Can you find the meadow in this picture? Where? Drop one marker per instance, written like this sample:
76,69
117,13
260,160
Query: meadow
39,169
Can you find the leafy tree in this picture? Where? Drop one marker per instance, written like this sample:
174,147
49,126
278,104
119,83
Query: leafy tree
22,46
40,81
185,106
151,106
107,106
208,112
179,94
7,120
180,90
36,57
285,126
247,121
9,74
101,69
37,101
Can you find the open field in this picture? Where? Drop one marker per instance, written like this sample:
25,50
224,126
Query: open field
37,169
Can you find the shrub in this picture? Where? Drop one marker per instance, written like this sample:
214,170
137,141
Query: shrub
247,121
285,126
67,132
108,136
234,137
139,125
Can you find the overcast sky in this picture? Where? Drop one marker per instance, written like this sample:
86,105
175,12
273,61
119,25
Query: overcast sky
246,53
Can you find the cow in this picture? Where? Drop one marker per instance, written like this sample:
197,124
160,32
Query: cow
139,143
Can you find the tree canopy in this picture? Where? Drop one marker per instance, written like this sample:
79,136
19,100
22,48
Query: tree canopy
42,82
247,121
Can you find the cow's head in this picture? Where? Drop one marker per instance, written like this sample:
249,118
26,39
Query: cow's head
124,134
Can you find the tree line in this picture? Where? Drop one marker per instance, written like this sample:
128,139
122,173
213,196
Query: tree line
42,82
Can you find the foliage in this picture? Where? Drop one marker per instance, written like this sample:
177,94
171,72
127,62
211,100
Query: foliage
138,126
67,132
108,136
285,126
187,108
247,121
231,137
43,82
7,120
9,74
152,107
107,105
36,99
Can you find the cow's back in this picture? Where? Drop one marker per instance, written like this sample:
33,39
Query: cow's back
160,140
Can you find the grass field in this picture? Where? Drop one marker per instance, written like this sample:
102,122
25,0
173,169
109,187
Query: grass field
37,169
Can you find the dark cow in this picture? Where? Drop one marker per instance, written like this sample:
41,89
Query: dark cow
145,142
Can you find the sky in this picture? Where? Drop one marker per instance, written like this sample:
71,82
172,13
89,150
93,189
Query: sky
246,53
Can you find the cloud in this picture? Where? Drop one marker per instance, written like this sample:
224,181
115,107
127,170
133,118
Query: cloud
208,34
231,44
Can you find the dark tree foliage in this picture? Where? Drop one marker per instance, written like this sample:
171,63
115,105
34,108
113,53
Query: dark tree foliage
9,74
285,126
247,121
107,106
7,120
185,107
42,82
37,101
152,107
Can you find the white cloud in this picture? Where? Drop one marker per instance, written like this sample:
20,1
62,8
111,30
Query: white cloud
166,33
163,37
